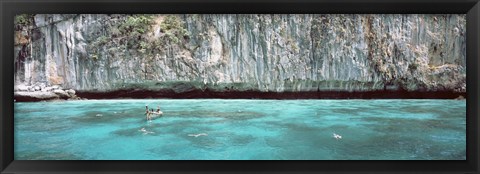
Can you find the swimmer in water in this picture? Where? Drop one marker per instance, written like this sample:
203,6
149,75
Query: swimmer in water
147,112
151,111
336,136
146,109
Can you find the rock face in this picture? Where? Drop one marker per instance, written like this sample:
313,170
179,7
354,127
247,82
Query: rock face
40,92
277,53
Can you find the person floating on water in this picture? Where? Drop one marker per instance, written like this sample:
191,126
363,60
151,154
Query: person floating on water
336,136
150,114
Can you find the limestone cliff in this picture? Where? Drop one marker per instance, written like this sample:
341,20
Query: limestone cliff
281,52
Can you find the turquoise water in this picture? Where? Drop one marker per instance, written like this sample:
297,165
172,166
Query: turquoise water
241,129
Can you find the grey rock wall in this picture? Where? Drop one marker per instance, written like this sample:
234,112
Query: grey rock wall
301,52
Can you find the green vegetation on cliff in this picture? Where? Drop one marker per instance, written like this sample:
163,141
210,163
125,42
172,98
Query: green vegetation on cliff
23,20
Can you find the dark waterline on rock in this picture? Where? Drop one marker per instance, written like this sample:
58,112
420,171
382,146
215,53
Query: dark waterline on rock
209,94
140,94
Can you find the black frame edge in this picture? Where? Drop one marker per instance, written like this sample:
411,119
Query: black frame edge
247,6
473,74
6,89
2,140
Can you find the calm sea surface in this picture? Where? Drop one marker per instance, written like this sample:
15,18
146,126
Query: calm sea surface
241,129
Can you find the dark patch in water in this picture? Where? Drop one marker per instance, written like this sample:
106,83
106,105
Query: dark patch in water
170,149
456,155
205,142
442,124
235,115
294,134
418,148
354,110
181,128
241,140
150,129
407,125
131,132
49,124
178,128
375,148
448,114
300,127
26,111
42,155
419,109
93,117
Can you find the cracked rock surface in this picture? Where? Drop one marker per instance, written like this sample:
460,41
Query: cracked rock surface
233,52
